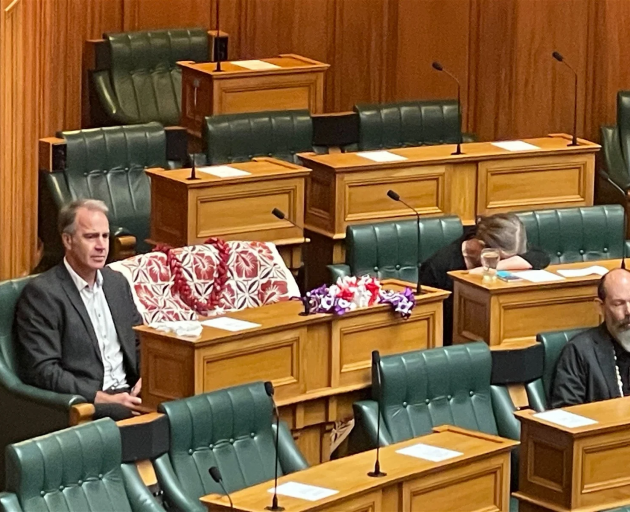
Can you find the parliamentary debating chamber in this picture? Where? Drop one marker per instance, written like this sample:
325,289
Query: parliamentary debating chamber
314,255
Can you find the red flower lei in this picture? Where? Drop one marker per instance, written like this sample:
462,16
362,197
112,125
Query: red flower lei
181,286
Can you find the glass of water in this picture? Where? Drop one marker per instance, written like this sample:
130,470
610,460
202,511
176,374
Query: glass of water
489,261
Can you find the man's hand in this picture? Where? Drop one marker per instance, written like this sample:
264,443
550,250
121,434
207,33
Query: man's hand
127,400
137,388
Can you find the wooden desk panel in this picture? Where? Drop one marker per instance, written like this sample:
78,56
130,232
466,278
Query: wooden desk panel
478,480
317,363
579,469
512,314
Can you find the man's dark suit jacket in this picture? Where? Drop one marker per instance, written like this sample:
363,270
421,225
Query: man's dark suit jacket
57,348
586,370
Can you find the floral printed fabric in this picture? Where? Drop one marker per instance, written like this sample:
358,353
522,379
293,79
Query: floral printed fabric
256,276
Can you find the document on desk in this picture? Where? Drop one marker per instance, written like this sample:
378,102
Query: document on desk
515,145
303,491
596,270
255,65
565,418
229,324
538,276
381,156
223,171
428,452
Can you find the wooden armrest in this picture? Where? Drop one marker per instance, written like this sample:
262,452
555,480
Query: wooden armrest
124,247
52,154
81,413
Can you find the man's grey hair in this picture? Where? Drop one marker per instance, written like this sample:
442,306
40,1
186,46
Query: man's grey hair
503,231
68,214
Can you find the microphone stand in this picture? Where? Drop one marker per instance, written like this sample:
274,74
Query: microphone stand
279,214
274,507
558,56
217,45
438,67
193,168
376,372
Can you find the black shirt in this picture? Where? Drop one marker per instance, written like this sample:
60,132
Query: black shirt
433,272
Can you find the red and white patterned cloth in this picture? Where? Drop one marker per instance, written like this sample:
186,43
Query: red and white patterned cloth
257,276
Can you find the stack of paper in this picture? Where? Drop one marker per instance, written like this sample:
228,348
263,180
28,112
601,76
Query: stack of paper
229,324
256,65
565,419
303,491
515,145
428,452
223,171
381,156
538,276
583,272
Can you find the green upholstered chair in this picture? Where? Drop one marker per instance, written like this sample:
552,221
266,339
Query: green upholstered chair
389,249
74,470
568,235
27,411
107,164
408,123
139,80
230,138
231,429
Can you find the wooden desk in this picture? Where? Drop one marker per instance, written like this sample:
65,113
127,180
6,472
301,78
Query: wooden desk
477,480
185,212
297,83
345,189
581,469
319,364
508,315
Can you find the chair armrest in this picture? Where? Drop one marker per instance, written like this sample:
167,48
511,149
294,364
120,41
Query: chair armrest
337,271
173,493
107,98
9,502
122,244
291,459
536,395
469,137
507,425
363,435
140,498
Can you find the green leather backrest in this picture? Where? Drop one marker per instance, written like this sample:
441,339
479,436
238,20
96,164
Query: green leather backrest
230,138
427,388
577,234
144,75
623,123
230,429
76,469
553,343
9,293
390,249
408,123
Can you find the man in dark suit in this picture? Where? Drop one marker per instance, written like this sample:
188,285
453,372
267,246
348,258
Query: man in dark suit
595,365
75,322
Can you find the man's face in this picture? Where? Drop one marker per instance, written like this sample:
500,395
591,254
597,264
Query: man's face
88,246
616,305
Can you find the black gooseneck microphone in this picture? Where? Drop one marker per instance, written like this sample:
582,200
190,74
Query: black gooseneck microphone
438,67
274,502
217,44
303,278
216,476
558,56
393,195
376,373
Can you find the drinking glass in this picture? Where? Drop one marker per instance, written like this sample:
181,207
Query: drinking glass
489,261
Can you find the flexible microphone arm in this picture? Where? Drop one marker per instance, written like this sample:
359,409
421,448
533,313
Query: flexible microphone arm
438,67
274,507
558,56
376,372
396,197
279,214
216,476
217,44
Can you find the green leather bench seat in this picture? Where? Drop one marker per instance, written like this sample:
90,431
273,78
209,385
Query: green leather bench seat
27,411
389,249
231,138
408,123
616,144
107,164
231,429
142,82
74,470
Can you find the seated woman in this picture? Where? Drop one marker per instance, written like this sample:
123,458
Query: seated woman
503,231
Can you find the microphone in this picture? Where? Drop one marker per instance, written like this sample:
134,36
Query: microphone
396,197
438,67
216,476
558,56
274,502
302,273
376,372
217,49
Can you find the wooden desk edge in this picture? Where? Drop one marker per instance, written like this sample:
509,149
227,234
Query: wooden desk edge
557,508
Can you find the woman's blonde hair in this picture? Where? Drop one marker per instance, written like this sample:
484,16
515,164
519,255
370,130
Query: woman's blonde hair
503,231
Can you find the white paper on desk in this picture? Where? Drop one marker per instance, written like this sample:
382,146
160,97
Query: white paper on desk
515,145
565,418
256,65
303,491
583,272
428,452
229,324
381,156
223,171
538,276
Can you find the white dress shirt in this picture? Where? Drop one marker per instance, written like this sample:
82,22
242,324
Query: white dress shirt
103,324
